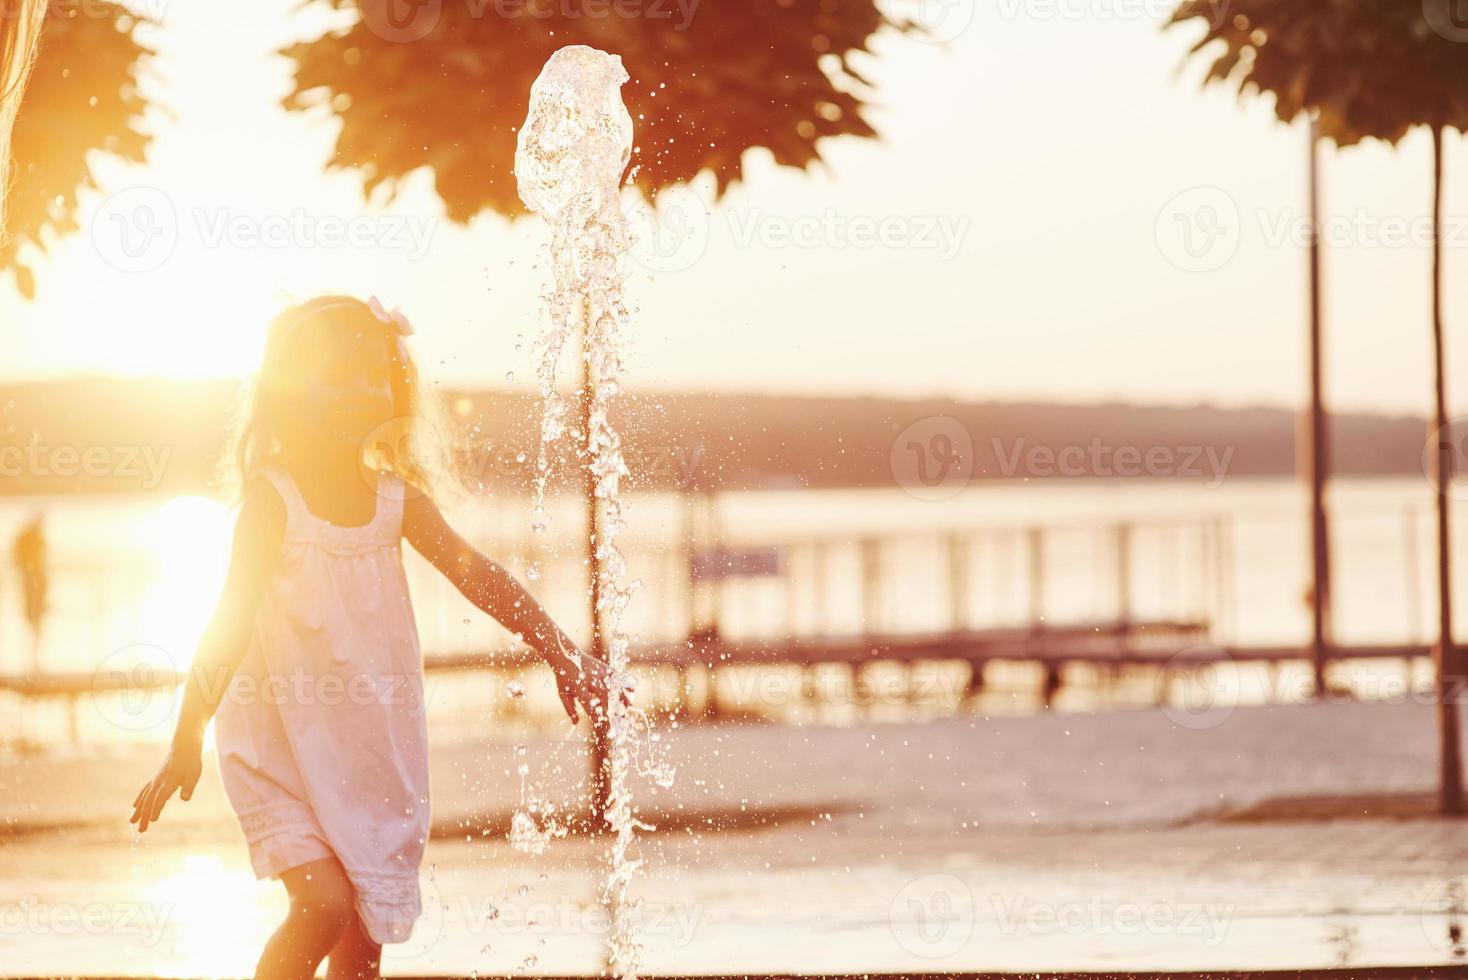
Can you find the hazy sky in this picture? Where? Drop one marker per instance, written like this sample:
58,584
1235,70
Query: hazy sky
1059,215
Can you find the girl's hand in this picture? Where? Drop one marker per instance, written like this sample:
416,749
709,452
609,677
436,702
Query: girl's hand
586,679
180,771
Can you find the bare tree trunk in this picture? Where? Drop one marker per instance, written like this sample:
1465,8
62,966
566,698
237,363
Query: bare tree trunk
1318,439
1448,673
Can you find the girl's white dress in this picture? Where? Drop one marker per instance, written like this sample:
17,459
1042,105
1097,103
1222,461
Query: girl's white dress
322,739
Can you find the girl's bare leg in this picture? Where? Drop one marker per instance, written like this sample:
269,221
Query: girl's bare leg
322,906
355,956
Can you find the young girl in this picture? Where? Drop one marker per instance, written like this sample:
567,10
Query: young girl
311,658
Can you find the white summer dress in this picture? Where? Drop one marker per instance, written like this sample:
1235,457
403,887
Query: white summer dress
322,740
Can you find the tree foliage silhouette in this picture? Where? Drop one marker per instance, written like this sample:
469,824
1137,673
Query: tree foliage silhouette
82,99
445,86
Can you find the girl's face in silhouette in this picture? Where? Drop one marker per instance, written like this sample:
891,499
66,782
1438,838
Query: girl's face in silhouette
341,387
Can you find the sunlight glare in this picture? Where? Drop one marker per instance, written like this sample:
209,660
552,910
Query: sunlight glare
192,539
215,917
203,314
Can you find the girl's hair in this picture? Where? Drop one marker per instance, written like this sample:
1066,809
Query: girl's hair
20,24
413,443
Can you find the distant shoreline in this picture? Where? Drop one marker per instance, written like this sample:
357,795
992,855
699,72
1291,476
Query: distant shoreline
107,436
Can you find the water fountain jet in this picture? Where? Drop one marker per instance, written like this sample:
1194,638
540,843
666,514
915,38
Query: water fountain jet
569,160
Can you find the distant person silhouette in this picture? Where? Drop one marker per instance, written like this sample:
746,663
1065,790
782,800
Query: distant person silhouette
29,553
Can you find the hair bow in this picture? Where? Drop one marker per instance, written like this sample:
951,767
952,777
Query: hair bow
401,325
395,319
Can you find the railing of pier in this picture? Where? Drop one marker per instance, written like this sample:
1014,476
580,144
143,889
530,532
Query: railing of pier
1239,578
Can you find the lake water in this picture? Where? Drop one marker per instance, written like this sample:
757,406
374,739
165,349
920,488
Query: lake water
144,570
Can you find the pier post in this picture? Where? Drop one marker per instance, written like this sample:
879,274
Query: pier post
711,706
681,711
818,562
871,573
1413,564
1052,683
1223,559
975,685
690,551
1124,576
792,595
958,562
1037,575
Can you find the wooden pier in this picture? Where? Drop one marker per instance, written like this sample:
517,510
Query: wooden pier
1171,647
1030,568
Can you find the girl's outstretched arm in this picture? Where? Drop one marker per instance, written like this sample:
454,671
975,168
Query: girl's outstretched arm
258,532
487,584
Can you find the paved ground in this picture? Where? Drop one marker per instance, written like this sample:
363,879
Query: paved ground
1025,843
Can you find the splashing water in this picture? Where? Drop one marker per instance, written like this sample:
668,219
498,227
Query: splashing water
569,160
